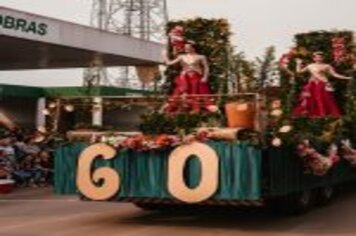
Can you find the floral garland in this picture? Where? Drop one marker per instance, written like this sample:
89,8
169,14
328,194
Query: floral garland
286,58
316,163
339,51
141,142
319,164
349,153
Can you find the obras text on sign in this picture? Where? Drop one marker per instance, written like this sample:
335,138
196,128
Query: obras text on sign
23,25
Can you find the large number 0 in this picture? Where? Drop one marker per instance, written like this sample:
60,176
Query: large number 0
87,183
209,177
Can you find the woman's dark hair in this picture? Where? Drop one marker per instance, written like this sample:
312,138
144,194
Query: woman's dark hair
193,44
318,53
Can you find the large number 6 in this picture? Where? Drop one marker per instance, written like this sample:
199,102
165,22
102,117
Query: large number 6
87,184
209,177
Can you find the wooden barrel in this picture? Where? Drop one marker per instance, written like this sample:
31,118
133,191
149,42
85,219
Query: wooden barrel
240,114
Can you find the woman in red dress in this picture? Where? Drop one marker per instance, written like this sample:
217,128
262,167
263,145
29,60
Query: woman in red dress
316,99
192,82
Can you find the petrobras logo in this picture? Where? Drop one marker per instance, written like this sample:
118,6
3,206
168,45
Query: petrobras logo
22,25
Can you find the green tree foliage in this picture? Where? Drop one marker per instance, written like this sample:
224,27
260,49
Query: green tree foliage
266,68
244,71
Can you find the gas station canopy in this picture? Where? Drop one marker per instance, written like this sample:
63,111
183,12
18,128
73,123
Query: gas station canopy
29,41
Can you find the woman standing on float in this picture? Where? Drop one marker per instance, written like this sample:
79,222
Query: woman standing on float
316,99
193,78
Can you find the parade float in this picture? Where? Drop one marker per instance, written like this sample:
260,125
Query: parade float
285,146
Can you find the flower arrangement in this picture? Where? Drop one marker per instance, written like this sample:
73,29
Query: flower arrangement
145,143
141,142
316,163
349,152
339,50
176,39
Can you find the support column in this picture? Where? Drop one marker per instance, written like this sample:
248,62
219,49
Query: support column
97,113
40,117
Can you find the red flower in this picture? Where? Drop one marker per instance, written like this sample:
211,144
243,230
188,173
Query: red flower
162,140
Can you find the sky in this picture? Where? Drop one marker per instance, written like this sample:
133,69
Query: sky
256,24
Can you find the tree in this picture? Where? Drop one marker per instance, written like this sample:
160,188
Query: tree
267,71
244,71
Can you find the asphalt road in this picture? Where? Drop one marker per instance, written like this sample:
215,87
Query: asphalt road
36,212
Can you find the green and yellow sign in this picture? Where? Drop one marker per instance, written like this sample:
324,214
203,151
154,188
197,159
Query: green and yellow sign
22,25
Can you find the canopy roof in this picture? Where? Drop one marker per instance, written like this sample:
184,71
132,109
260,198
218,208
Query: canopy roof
35,92
29,41
20,91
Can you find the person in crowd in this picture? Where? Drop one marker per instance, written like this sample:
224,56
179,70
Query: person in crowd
6,145
25,158
47,165
6,168
23,175
42,170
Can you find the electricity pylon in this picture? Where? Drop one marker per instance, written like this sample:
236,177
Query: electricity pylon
144,19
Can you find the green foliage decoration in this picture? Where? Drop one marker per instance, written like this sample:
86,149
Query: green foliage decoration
155,123
327,129
212,38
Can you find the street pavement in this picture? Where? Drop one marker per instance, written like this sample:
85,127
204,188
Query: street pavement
37,212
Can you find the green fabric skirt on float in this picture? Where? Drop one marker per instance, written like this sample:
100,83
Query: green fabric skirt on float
144,174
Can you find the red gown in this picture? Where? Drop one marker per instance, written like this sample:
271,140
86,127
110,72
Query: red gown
189,83
316,100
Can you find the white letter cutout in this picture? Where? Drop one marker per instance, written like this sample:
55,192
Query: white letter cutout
86,182
209,173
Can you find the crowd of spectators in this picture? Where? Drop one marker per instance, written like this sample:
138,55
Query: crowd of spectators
25,157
